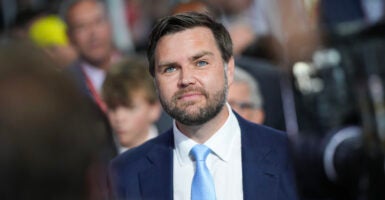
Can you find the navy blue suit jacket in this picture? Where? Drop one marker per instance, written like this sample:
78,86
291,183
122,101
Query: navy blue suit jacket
75,70
146,172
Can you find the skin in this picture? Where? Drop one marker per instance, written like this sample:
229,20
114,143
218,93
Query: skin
188,74
242,36
240,92
90,33
131,124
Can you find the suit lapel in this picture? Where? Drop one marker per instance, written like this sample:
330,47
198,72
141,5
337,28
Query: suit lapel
77,73
260,176
158,177
258,170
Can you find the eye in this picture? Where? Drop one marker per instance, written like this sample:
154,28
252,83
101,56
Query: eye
243,105
133,108
169,69
79,27
202,63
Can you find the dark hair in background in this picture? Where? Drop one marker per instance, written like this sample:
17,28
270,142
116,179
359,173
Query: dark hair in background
266,47
49,142
126,78
180,22
67,5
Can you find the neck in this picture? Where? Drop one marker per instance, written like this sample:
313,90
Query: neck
102,64
201,133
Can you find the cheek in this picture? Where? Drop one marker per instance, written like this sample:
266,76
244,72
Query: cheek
242,112
138,123
165,89
219,77
80,35
112,118
105,33
140,118
248,114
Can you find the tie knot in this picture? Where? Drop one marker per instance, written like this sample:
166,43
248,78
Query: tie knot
199,152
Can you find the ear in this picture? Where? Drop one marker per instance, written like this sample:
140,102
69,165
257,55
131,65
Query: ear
155,112
230,71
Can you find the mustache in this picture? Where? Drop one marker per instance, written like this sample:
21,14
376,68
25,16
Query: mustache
183,91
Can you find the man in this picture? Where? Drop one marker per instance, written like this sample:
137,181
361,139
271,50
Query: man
245,97
89,31
191,60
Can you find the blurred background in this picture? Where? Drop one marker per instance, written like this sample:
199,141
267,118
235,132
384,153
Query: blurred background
320,65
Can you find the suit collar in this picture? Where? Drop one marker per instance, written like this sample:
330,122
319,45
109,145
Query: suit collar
260,175
221,142
258,169
161,169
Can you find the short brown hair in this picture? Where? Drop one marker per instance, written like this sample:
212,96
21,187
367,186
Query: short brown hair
180,22
67,5
124,79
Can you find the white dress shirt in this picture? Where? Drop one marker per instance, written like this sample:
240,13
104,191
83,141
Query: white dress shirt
95,75
224,162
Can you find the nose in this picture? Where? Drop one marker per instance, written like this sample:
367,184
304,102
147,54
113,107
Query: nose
117,116
186,77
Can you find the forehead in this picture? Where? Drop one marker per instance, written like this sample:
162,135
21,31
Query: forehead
186,42
84,9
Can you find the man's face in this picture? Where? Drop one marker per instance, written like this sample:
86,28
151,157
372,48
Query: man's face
90,31
240,100
190,75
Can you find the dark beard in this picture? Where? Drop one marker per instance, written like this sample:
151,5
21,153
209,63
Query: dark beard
203,115
213,107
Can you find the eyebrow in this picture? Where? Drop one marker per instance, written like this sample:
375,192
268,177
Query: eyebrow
200,55
192,58
165,64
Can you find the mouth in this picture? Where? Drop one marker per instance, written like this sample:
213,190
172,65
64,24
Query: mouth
189,96
120,131
95,43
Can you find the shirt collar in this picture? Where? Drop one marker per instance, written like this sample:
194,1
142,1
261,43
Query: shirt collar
221,143
95,75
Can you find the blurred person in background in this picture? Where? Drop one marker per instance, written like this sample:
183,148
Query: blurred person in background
241,31
347,16
132,102
201,6
246,20
49,33
245,98
141,15
52,147
89,31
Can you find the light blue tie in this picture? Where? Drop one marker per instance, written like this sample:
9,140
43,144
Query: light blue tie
203,184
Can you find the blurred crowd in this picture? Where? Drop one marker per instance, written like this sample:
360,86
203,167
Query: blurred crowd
75,88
